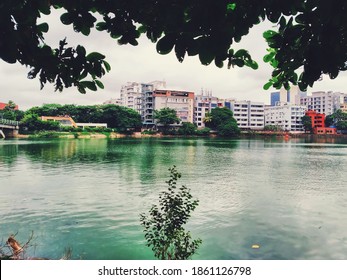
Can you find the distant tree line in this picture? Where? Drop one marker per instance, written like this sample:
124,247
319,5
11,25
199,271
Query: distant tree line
338,119
120,118
220,120
117,117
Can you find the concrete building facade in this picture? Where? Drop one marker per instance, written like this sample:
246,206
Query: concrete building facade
287,116
203,104
132,94
318,123
248,114
287,96
181,101
323,102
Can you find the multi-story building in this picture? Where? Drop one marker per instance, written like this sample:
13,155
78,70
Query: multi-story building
286,96
286,116
147,114
203,104
248,114
132,94
317,119
318,124
343,106
323,102
181,101
274,98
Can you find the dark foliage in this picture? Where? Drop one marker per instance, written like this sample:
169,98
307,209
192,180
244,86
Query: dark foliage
310,39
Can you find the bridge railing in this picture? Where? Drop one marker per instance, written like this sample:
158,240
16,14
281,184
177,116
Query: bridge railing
8,122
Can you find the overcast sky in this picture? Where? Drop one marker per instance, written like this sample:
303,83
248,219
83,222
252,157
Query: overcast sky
143,64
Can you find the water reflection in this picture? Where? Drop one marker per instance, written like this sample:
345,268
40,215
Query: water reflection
286,196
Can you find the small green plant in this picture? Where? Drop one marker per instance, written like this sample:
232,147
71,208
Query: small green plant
163,227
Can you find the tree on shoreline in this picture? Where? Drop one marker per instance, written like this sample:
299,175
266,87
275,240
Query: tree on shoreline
166,117
222,120
117,117
310,39
11,112
338,118
307,123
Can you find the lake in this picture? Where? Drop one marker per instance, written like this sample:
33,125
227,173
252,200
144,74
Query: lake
288,197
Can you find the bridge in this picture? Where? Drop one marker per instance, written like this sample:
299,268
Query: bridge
8,128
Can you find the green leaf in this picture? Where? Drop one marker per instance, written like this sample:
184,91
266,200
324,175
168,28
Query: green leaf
274,63
66,18
238,62
99,84
242,53
93,56
251,63
268,57
269,34
219,63
85,30
231,6
83,74
88,84
107,66
101,26
43,27
267,85
166,44
44,7
81,89
180,51
142,29
206,57
81,50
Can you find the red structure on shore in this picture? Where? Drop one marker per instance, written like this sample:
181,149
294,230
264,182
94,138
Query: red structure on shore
3,105
318,124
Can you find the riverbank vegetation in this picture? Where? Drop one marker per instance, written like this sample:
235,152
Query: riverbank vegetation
338,119
119,120
222,121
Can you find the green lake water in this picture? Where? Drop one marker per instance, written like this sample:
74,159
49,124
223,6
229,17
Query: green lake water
290,197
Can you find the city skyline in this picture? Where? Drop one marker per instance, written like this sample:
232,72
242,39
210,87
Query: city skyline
143,64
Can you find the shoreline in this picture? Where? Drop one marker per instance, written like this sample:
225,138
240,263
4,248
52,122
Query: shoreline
114,135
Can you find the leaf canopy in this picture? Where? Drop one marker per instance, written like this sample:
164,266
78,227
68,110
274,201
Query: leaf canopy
309,39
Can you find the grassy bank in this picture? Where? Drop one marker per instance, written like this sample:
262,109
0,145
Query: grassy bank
111,135
71,135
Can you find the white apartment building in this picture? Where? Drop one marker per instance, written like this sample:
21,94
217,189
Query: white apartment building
287,116
203,104
132,94
248,114
323,102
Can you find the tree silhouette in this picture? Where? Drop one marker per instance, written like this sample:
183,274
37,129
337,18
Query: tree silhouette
310,37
